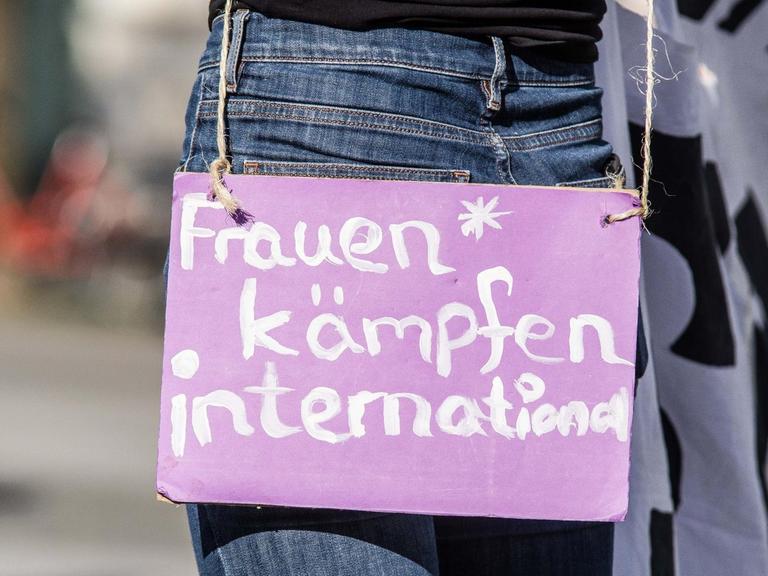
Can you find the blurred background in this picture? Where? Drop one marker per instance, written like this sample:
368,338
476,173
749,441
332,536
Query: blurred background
92,101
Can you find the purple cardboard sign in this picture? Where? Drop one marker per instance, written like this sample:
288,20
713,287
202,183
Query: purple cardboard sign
462,349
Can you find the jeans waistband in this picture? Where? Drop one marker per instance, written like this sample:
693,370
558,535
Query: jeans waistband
266,39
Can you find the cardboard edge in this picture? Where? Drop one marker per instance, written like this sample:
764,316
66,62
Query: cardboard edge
161,495
628,191
167,492
161,498
618,516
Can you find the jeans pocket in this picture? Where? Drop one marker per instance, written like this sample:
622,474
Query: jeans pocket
603,182
358,171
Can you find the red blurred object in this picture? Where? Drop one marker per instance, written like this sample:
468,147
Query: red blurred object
43,235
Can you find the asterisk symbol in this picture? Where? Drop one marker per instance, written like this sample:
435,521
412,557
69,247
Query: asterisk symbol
479,215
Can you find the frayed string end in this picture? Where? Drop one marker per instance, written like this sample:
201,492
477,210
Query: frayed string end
241,217
223,195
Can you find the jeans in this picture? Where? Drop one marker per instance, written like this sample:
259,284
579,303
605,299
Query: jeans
396,104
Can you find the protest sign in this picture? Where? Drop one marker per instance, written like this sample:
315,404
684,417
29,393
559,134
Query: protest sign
461,349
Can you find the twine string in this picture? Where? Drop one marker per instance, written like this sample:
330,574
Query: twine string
221,165
644,209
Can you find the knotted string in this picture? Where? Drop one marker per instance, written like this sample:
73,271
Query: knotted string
222,166
644,209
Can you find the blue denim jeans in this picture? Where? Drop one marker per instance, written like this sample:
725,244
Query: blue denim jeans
396,104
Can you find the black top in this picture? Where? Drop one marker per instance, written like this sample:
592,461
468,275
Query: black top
564,29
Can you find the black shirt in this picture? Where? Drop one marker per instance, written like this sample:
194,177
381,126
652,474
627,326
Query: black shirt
564,29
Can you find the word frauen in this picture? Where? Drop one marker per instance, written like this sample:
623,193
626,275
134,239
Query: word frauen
262,233
456,415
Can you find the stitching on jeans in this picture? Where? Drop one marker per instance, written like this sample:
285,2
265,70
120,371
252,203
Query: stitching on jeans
224,564
522,80
197,122
577,183
586,124
520,143
556,142
477,137
256,163
253,103
497,58
360,61
540,140
249,105
228,73
484,86
503,165
493,102
237,47
253,172
550,84
343,123
253,166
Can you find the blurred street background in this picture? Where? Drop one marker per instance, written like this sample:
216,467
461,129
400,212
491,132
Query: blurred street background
92,101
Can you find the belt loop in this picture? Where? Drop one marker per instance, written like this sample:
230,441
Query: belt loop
499,70
236,45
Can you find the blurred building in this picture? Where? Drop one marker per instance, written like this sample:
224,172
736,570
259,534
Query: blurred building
92,102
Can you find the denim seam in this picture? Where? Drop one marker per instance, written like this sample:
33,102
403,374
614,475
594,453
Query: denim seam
585,124
523,81
252,167
494,98
342,177
350,124
518,143
224,563
194,128
378,168
235,47
520,81
566,134
575,183
503,161
355,61
484,85
555,142
251,104
473,136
